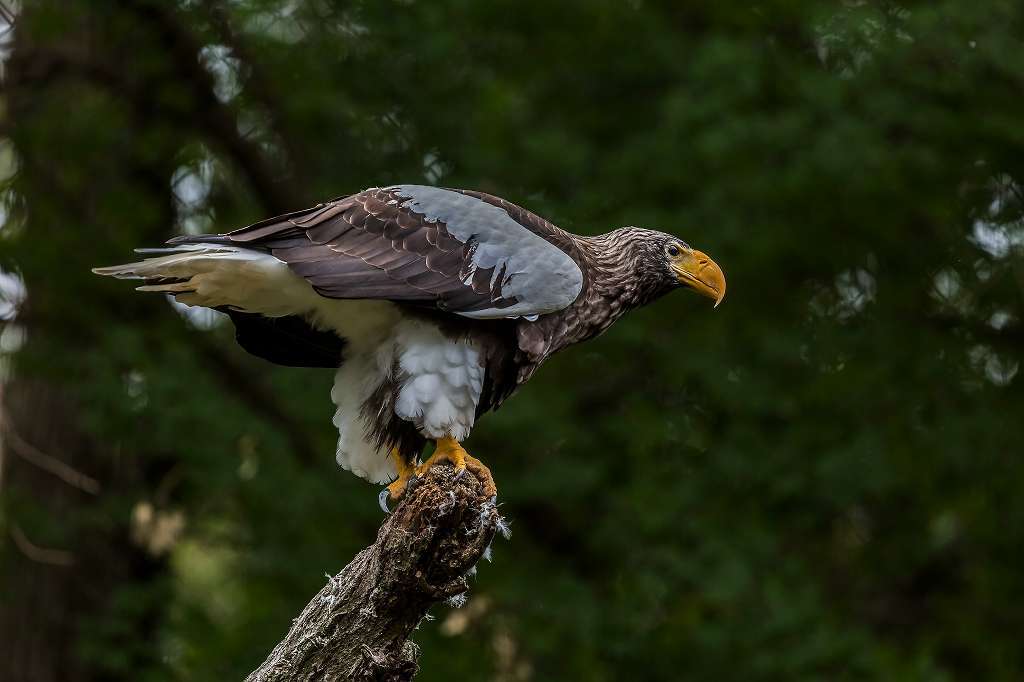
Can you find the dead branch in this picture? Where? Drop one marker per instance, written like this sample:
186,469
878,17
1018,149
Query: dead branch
46,462
219,120
40,555
358,626
255,395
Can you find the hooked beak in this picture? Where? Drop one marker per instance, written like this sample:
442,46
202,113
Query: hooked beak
695,270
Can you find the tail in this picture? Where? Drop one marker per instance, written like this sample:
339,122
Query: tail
166,261
270,305
208,271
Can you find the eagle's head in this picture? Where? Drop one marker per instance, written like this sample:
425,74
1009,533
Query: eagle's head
663,262
694,269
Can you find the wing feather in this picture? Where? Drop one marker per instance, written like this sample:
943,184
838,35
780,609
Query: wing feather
465,252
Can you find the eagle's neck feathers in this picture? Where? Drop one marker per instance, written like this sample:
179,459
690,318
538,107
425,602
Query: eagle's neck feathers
622,274
620,277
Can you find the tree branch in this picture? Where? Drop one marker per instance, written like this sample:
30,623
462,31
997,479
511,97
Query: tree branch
276,192
44,461
40,555
258,86
358,626
255,395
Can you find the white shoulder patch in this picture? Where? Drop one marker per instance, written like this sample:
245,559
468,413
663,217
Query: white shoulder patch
541,276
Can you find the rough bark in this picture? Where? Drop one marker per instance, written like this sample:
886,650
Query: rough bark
358,626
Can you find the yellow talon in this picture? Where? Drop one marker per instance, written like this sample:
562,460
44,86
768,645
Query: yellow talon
406,470
450,450
447,450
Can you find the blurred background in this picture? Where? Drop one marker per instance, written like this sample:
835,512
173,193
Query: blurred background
821,479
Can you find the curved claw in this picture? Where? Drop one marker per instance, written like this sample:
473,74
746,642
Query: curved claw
459,473
382,499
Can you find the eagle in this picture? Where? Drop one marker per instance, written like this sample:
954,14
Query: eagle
432,305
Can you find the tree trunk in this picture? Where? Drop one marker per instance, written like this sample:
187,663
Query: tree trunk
358,626
61,566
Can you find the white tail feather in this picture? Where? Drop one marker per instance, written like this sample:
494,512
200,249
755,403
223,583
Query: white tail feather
216,276
251,281
172,288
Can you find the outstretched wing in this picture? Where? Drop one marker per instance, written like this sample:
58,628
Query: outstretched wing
464,252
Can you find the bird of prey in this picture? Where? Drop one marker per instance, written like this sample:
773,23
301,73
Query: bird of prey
433,306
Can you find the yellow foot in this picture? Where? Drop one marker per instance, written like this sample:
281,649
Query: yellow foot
449,450
395,490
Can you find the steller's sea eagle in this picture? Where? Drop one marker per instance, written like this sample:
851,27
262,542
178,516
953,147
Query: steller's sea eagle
433,305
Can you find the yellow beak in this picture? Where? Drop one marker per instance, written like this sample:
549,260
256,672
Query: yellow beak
697,271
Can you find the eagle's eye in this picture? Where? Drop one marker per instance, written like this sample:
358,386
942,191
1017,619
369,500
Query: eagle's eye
673,250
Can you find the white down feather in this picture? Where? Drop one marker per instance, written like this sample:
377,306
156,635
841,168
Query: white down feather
445,378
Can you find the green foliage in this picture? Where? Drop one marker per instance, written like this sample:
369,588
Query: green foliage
818,480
